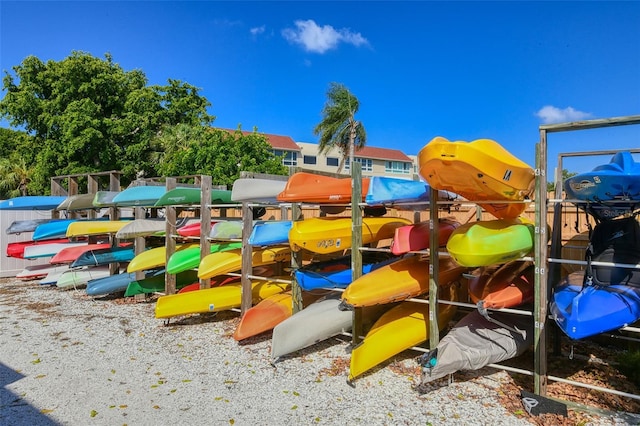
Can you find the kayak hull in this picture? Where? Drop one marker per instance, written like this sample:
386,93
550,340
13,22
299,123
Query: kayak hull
401,328
213,299
416,237
481,170
332,234
398,281
491,242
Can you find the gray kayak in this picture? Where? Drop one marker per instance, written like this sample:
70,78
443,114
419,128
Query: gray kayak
257,189
475,342
315,323
20,226
77,202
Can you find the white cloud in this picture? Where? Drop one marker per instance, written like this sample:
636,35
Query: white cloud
257,30
550,114
316,39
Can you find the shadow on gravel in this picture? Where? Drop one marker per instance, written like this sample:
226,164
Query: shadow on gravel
13,409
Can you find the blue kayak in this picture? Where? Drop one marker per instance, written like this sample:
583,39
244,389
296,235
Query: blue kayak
104,256
609,190
52,229
585,311
32,202
337,273
401,193
271,232
110,284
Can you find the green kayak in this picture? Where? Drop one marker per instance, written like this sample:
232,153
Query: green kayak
156,283
190,258
183,196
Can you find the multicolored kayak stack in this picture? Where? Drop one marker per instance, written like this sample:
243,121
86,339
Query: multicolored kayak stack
302,281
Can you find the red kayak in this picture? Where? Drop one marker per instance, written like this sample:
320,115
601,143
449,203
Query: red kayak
508,286
192,229
69,254
415,237
17,249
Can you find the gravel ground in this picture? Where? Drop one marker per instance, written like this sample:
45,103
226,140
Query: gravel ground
70,360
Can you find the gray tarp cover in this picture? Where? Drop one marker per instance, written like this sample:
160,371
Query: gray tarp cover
475,342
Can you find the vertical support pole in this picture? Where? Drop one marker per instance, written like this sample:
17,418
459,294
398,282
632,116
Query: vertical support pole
170,242
356,243
540,298
114,214
92,188
247,254
205,223
138,247
556,249
434,270
296,263
114,185
72,183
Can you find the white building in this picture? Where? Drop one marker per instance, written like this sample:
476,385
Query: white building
374,161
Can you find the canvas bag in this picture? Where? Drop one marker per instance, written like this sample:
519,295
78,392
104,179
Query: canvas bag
616,241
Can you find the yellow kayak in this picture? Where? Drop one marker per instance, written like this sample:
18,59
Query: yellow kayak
331,234
95,227
491,242
153,258
400,328
215,299
230,261
398,281
481,170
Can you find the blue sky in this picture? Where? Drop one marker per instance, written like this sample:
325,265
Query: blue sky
461,70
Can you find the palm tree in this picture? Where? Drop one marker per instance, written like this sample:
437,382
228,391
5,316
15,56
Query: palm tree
338,127
15,177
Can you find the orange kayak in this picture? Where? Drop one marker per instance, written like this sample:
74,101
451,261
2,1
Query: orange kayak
508,286
312,188
270,312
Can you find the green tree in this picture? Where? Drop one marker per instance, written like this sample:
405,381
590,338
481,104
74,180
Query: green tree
87,114
338,127
14,142
184,149
551,186
14,178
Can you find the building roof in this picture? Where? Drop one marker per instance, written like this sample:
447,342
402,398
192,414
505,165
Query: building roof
276,141
287,143
382,154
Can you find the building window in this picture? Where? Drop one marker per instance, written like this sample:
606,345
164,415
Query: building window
398,167
309,159
289,158
366,164
332,161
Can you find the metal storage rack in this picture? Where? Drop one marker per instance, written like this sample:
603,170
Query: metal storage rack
547,268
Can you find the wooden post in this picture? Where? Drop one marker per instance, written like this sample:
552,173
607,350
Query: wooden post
434,270
296,263
205,223
138,247
540,255
92,188
247,254
356,242
170,242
